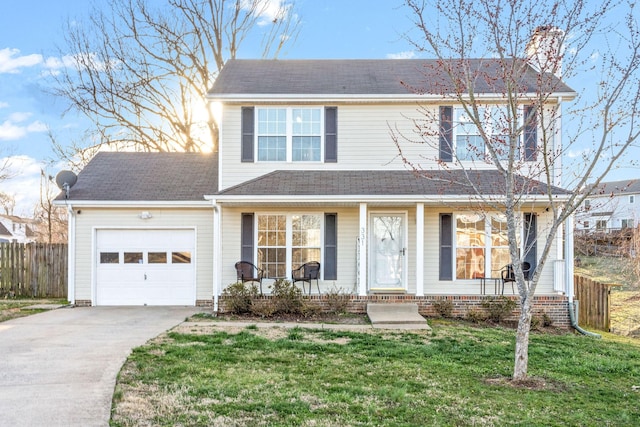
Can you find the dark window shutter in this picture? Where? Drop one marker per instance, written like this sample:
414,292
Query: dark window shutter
331,134
530,133
330,246
247,134
530,241
446,134
246,238
446,247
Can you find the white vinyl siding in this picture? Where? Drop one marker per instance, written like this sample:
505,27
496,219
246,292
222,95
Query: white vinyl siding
102,218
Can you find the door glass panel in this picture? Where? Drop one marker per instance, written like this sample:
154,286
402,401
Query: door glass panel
387,251
183,257
133,257
109,257
157,257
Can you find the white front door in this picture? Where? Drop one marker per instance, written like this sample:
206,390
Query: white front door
387,252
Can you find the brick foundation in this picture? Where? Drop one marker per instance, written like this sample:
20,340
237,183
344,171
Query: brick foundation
82,303
554,306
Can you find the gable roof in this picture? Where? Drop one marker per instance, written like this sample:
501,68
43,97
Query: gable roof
383,183
626,186
133,176
4,231
360,77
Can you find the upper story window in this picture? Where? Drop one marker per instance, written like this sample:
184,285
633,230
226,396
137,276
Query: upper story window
461,139
469,144
289,134
632,198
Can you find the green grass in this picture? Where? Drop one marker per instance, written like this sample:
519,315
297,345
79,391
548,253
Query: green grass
14,308
456,375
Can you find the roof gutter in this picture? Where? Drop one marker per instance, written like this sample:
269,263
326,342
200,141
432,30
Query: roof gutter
435,199
133,203
254,98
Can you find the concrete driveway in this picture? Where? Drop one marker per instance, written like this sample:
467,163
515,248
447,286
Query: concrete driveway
59,368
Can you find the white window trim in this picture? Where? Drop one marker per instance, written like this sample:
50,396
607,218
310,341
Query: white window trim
289,133
488,246
489,130
289,239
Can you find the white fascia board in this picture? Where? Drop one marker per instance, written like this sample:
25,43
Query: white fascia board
403,97
133,203
374,199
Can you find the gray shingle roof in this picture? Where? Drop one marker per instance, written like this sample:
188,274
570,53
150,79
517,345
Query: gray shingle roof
358,77
127,176
4,231
626,186
382,183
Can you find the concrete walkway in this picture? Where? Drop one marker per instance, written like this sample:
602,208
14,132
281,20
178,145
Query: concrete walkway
59,368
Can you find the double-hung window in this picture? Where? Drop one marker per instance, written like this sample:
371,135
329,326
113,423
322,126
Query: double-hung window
480,239
469,144
289,134
285,242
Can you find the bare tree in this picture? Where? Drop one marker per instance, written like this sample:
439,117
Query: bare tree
51,220
536,45
139,70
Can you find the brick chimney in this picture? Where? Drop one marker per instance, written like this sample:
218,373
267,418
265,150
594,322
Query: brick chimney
545,50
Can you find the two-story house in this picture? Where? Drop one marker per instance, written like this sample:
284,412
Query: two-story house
16,229
613,205
306,170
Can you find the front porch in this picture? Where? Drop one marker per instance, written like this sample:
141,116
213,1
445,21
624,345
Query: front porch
553,306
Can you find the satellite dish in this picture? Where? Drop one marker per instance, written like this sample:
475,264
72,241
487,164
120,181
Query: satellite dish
65,180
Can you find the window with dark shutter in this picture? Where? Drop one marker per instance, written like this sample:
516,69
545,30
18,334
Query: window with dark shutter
446,134
246,238
330,246
530,240
247,134
530,133
331,134
446,247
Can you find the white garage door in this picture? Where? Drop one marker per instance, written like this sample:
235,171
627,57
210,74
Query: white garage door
145,267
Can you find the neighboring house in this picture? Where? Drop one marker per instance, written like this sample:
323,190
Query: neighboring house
306,170
16,229
612,206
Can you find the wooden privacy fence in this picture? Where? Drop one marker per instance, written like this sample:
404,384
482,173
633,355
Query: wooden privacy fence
594,302
33,270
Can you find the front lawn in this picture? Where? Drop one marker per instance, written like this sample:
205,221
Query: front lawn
14,308
454,375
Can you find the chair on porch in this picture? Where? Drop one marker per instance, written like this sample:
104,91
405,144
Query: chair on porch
306,273
247,272
509,276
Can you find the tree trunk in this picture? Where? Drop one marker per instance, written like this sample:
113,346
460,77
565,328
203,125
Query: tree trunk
522,341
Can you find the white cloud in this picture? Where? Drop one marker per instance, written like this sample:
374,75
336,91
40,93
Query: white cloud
4,104
407,54
24,185
11,62
268,10
15,128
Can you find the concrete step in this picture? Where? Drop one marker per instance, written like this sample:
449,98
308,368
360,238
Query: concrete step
395,314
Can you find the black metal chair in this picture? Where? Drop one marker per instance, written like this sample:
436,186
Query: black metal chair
306,273
509,276
247,272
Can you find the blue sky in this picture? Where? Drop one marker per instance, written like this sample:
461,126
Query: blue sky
31,30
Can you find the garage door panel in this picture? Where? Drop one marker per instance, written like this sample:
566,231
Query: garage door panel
161,268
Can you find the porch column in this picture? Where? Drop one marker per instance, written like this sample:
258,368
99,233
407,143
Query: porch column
568,225
362,251
217,254
419,249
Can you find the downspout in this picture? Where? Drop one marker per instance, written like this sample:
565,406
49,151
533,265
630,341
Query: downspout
71,255
573,305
